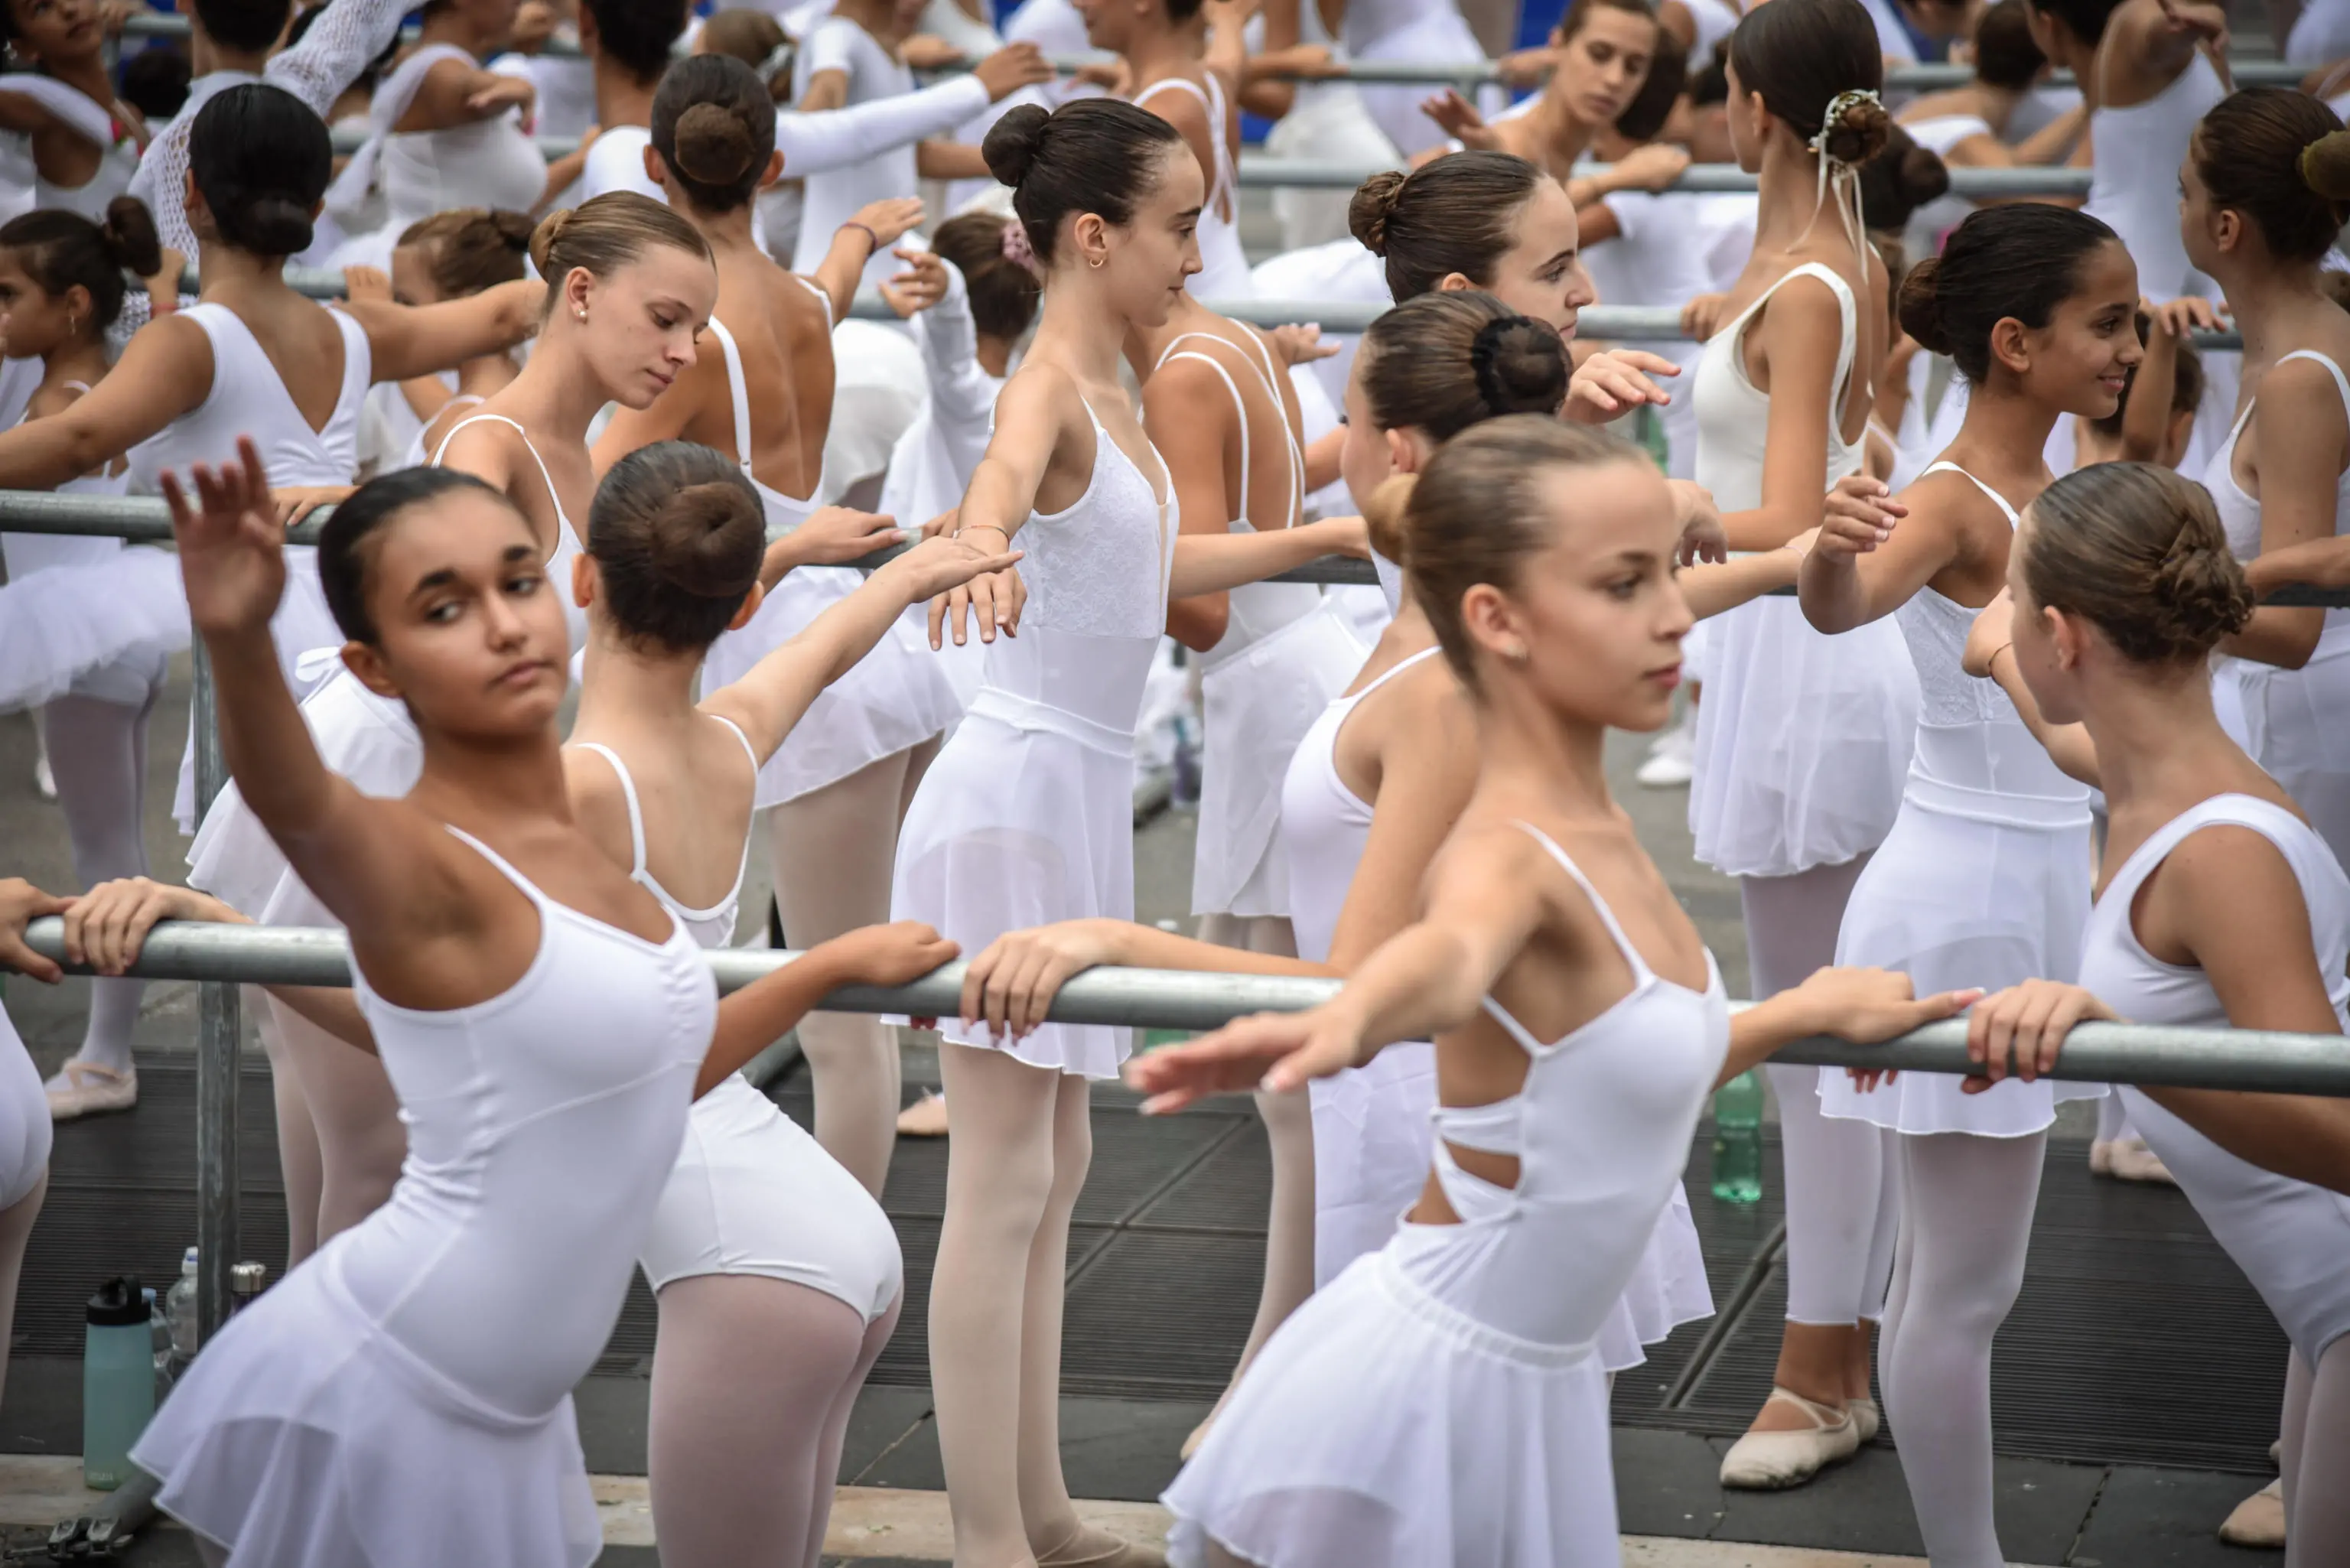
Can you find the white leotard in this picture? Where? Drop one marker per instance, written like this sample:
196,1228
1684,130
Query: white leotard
25,1130
2291,1239
568,536
22,188
1027,815
2133,178
1651,261
397,179
751,1193
405,1395
1984,880
1802,740
1223,266
835,195
1424,32
1444,1400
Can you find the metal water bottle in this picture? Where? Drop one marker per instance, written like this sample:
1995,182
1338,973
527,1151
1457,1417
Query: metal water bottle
118,1381
1738,1139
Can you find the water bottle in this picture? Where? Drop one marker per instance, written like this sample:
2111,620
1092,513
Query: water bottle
1738,1139
118,1382
159,1340
180,1311
1185,786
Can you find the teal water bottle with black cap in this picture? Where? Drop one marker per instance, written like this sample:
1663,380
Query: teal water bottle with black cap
118,1381
1738,1139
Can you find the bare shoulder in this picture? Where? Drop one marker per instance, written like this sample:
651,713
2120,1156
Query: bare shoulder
598,804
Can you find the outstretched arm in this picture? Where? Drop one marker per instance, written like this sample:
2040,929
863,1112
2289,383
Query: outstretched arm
763,1012
411,340
166,370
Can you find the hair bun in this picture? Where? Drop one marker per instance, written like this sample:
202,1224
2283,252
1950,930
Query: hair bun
2201,592
274,226
130,238
1012,143
543,238
2325,166
514,229
1858,131
1920,306
713,146
1372,204
1521,366
1383,515
696,540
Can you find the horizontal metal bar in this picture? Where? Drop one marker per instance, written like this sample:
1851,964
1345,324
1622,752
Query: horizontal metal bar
1170,999
1697,178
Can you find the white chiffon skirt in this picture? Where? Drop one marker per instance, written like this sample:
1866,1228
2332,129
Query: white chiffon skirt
1802,741
304,1436
100,628
2296,725
1381,1428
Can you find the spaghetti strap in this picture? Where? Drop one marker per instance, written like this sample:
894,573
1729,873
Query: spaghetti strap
628,792
505,867
1240,405
1515,1031
747,749
737,389
1641,972
1385,676
1937,466
821,296
2341,382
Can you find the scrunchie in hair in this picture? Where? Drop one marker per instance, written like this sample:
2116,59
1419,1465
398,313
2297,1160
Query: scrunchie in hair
1016,249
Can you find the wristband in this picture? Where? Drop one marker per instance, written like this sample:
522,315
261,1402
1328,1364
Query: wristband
998,528
1991,664
872,240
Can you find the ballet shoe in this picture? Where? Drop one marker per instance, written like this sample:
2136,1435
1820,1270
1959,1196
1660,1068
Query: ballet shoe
926,1117
85,1089
1093,1548
1867,1419
2133,1161
2259,1519
2101,1156
1772,1462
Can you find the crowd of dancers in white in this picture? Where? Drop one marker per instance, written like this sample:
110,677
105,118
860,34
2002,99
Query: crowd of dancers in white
2018,743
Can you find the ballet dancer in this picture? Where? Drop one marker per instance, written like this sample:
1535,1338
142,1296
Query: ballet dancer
2222,905
1320,120
25,1133
405,1396
1600,53
453,254
2158,406
98,621
82,141
1442,1400
835,789
1027,815
1984,880
759,41
443,132
1424,32
627,43
1801,742
2265,179
1968,127
777,1273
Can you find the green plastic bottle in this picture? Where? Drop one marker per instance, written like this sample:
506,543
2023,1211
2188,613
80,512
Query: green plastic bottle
1738,1139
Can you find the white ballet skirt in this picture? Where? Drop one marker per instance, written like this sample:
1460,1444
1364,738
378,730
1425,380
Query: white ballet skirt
402,1398
1443,1401
896,697
1027,815
2292,1239
1803,738
102,626
26,1131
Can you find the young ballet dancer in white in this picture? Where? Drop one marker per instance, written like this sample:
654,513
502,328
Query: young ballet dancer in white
405,1396
2263,185
25,1133
777,1273
1027,815
1442,1400
1802,743
95,623
836,788
1600,53
2220,905
453,254
76,142
1984,880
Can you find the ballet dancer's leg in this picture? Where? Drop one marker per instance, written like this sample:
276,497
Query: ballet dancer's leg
361,1141
747,1374
15,1229
299,1162
834,851
2316,1457
99,751
835,1432
1967,1221
1001,1182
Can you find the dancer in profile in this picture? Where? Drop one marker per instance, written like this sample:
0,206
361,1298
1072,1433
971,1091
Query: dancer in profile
1442,1400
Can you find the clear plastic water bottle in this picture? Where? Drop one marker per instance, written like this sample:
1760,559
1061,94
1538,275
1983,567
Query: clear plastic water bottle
1738,1139
118,1381
180,1311
1185,786
158,1339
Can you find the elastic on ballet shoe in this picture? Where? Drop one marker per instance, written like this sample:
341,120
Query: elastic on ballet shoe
1772,1461
1093,1548
2259,1519
1867,1419
85,1089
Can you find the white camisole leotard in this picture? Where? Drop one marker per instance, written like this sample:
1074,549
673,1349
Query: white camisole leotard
2134,176
1223,266
1443,1401
752,1192
403,1397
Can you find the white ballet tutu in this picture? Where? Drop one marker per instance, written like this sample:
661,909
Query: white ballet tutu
1380,1426
1667,1289
367,739
304,1436
753,1193
1802,741
101,629
1957,902
27,1132
1372,1133
897,696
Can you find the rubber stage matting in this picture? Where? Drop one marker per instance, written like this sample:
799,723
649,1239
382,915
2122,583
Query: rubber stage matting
2136,1340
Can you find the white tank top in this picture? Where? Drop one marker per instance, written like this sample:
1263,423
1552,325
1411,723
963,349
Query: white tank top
541,1125
489,163
248,398
2240,513
1258,609
95,122
711,928
1733,419
568,546
1223,266
1325,824
2133,178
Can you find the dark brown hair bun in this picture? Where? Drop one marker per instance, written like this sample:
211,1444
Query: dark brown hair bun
678,534
2139,552
1368,210
713,146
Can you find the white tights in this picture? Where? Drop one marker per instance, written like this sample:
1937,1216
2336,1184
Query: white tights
338,1135
1843,1187
1289,1128
1967,1221
98,751
753,1380
2316,1457
1014,1167
16,1230
834,852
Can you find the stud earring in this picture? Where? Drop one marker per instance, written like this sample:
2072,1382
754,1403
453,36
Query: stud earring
583,313
1517,653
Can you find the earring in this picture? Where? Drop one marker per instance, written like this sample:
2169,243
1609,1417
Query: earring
1517,653
583,313
1096,262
